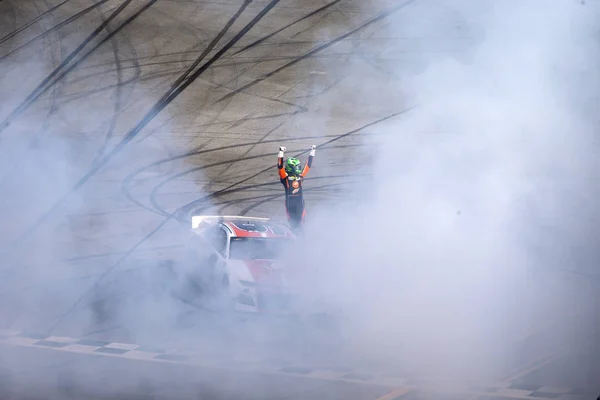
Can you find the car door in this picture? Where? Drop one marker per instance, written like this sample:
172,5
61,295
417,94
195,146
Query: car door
215,263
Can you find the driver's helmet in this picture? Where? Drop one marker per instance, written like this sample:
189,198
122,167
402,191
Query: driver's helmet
293,167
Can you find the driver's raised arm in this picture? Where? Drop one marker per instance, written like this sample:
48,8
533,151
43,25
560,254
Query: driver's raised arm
308,164
282,173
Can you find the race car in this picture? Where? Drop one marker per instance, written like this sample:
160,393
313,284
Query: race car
232,263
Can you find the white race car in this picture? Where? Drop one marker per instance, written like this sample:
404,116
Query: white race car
234,259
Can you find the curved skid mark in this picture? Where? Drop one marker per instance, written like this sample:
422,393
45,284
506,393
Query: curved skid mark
79,95
227,103
11,10
69,98
197,151
55,90
128,137
56,27
30,23
280,195
316,50
185,209
312,25
306,151
47,83
148,117
200,168
119,90
243,156
259,41
270,197
203,55
261,199
154,192
221,64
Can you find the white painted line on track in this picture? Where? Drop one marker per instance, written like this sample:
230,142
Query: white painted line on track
140,352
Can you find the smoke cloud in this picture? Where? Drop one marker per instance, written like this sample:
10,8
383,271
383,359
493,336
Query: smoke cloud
479,197
436,238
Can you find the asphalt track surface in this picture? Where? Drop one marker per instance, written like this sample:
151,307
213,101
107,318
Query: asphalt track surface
126,117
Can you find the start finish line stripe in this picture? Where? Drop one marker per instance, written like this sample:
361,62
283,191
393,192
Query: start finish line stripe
402,386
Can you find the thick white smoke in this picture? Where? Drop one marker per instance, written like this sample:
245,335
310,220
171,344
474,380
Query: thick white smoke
78,268
479,195
449,252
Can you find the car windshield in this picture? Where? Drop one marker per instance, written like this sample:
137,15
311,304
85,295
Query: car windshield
257,248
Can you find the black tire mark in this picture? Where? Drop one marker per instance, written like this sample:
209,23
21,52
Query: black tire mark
222,63
299,109
54,28
198,151
319,92
154,192
126,185
11,10
99,75
27,25
226,105
188,53
261,200
186,211
152,57
210,124
202,56
53,108
118,94
229,189
135,79
256,62
55,90
175,70
251,147
75,64
306,151
2,126
312,26
228,164
100,163
313,93
196,169
317,49
205,53
214,119
178,212
235,79
74,97
39,90
114,253
259,41
128,137
356,50
270,197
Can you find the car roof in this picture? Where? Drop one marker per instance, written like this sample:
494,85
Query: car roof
257,229
245,227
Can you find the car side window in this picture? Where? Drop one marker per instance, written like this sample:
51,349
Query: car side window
218,239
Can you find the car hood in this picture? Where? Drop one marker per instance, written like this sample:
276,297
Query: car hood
265,274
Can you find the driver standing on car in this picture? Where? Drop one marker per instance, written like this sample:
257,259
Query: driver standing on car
291,174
